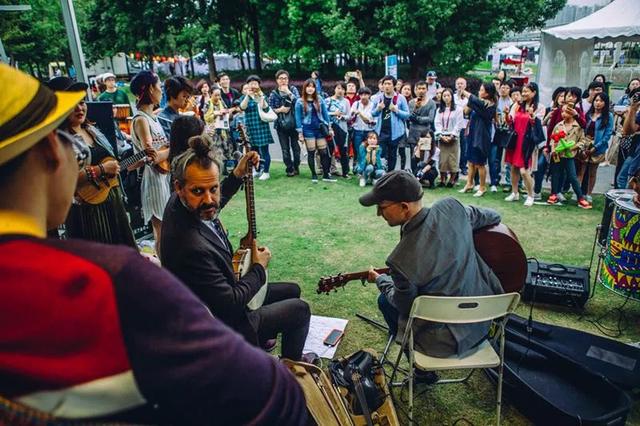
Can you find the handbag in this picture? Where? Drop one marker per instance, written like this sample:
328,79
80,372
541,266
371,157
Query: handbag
285,122
628,145
611,156
268,116
324,131
505,137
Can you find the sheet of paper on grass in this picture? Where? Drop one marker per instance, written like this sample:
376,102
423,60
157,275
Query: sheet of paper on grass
319,329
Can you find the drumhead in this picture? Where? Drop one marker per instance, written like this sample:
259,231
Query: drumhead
614,194
627,204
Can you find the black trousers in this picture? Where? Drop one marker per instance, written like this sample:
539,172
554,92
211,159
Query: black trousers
283,312
340,139
290,149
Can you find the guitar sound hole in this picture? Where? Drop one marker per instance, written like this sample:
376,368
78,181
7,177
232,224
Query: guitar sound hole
468,305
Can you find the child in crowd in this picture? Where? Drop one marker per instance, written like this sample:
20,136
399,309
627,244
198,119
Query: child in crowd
428,155
567,138
370,163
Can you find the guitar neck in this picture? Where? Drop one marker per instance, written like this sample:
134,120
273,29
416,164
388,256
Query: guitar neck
251,205
249,193
130,161
363,275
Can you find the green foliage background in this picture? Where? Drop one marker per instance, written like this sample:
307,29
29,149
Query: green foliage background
452,35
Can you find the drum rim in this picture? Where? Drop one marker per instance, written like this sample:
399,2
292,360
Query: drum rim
628,202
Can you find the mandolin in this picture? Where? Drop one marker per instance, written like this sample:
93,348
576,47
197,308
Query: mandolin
96,193
497,245
242,259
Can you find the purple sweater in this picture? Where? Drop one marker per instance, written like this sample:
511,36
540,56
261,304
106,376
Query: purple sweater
104,313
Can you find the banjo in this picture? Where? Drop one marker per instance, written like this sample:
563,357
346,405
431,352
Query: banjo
242,257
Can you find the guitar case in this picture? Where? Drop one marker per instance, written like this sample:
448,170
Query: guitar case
617,361
553,389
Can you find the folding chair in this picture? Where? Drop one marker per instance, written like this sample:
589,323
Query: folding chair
457,310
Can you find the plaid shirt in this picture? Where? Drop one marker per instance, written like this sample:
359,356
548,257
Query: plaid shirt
258,131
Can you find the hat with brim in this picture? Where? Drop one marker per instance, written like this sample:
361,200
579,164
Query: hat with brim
66,84
21,94
396,186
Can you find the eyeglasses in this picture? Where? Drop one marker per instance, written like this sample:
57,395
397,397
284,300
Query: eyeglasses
381,207
81,150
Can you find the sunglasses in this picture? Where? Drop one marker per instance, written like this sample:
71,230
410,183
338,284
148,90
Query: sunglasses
81,150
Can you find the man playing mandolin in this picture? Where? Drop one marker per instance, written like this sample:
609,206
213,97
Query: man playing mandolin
198,251
435,256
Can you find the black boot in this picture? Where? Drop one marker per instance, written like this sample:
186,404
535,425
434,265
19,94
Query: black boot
325,161
311,159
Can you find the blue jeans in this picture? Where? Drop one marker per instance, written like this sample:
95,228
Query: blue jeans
358,137
389,313
370,173
265,157
566,167
623,176
538,176
495,164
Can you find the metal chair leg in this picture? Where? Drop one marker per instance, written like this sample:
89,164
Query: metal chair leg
411,374
500,377
386,348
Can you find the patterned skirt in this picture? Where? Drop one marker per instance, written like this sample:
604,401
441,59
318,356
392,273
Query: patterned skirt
106,222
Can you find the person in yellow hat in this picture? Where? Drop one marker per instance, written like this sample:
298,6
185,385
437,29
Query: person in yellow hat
97,331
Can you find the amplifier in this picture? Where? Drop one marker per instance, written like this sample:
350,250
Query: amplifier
557,284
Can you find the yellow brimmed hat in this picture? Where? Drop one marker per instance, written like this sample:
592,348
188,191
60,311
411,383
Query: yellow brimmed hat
28,111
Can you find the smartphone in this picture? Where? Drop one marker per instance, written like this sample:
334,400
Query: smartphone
333,338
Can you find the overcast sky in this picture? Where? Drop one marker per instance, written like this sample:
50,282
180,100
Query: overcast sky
588,2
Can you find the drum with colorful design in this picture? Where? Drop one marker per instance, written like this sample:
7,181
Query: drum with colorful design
621,266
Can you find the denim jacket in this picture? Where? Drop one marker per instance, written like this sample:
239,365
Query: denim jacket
397,118
362,158
303,118
602,136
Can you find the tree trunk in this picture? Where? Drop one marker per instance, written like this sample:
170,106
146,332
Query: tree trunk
242,49
419,62
255,32
211,62
246,49
193,71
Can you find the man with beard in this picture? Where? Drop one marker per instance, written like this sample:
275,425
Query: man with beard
200,254
97,331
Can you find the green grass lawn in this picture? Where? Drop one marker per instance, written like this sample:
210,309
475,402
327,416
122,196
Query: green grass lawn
316,230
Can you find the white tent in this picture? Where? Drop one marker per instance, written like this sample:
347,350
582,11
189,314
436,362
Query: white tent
510,51
566,51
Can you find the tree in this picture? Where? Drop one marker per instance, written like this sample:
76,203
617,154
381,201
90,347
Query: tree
37,37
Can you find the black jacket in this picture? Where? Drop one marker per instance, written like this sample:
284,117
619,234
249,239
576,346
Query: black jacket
192,252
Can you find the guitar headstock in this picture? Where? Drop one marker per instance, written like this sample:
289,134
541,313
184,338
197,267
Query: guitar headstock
328,284
244,138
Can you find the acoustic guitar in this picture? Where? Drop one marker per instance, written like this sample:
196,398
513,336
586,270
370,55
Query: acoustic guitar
497,245
96,193
242,260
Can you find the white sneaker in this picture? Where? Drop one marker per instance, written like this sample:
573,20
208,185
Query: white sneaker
588,198
494,188
479,193
529,201
255,173
561,197
476,188
514,196
363,182
264,176
537,197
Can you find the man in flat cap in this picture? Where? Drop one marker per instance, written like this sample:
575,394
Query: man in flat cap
435,256
97,331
